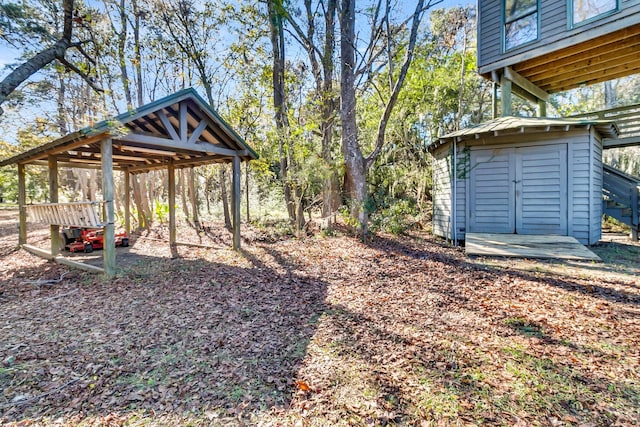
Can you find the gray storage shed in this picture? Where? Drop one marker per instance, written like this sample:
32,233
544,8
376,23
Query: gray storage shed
518,175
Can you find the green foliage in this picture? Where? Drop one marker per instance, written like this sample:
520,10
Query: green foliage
396,217
442,74
21,23
161,211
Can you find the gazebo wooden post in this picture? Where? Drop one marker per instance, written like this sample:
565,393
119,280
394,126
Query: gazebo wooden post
172,208
53,198
235,199
22,202
127,202
109,250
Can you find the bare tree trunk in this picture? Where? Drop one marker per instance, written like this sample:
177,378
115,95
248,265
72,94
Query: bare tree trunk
300,221
137,199
356,165
321,59
137,51
93,180
462,75
182,184
193,196
355,173
225,199
144,200
331,186
610,95
82,185
276,16
121,38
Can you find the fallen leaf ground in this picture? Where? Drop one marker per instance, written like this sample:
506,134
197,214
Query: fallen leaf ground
319,331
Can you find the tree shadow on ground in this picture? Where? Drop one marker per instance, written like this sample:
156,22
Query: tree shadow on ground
165,337
477,266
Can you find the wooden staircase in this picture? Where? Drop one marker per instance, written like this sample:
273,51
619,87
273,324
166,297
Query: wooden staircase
621,198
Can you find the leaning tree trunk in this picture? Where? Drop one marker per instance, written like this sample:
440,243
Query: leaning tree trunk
137,199
32,66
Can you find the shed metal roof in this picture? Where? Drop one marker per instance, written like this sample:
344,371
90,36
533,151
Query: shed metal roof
513,125
181,129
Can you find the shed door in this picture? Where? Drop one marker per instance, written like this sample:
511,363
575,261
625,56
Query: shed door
492,199
519,190
541,190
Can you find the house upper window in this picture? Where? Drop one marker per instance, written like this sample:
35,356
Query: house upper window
520,22
585,10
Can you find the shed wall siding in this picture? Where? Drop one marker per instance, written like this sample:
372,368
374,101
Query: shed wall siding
554,28
461,205
596,189
580,186
583,190
442,193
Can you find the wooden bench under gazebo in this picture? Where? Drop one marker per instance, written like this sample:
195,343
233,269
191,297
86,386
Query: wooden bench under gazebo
179,131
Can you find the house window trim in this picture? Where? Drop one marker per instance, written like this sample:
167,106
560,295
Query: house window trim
571,24
504,26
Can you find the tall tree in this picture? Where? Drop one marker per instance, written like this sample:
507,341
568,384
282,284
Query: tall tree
319,20
381,48
276,14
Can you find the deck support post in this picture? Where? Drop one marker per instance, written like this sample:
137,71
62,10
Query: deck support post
542,108
494,100
235,201
172,208
22,202
505,94
109,249
54,229
635,214
127,202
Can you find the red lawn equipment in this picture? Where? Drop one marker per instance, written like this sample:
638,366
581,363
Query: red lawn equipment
86,240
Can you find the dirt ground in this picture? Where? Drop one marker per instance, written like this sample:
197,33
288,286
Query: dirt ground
318,331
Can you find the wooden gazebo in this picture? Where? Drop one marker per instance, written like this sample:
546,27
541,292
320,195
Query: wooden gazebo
179,131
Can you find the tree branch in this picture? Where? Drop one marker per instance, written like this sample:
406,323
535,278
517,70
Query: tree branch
382,125
90,81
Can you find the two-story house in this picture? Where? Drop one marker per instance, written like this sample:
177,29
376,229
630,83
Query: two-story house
543,175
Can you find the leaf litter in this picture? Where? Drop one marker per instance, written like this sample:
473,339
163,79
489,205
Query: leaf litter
319,331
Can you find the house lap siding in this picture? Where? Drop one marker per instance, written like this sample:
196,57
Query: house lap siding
553,29
443,195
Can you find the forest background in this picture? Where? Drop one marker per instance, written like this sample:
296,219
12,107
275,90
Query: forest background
341,100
